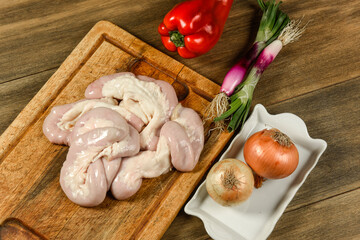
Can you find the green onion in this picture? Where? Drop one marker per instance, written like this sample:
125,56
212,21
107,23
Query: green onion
240,100
271,24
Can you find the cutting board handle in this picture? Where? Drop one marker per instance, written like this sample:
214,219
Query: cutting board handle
13,228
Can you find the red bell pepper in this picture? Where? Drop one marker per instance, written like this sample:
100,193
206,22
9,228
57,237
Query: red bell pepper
194,27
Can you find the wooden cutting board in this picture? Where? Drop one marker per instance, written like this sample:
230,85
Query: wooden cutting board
32,204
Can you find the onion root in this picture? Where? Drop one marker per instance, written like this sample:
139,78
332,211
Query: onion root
216,108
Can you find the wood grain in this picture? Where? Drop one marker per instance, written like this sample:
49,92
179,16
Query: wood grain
57,26
315,78
13,228
106,49
11,103
295,224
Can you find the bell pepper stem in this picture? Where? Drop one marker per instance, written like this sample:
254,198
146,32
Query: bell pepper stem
177,38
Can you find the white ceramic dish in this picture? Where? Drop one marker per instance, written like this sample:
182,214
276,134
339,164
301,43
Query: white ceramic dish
256,218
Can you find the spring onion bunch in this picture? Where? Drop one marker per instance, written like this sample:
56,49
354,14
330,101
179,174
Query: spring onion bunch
272,23
240,100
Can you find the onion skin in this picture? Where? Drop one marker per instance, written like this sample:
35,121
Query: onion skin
271,154
230,182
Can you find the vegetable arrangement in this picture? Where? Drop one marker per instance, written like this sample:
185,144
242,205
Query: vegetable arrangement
269,154
275,31
193,27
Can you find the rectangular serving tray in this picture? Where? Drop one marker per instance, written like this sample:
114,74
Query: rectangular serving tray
257,216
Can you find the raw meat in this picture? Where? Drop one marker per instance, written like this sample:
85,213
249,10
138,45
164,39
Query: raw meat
150,100
61,120
180,144
146,164
100,138
129,128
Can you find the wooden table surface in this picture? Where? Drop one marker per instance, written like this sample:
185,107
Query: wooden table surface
316,78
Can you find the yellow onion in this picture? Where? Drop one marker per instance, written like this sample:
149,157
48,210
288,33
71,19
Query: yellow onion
271,154
230,182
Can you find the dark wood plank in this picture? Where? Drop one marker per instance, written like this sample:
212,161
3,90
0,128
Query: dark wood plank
17,93
39,35
53,29
334,218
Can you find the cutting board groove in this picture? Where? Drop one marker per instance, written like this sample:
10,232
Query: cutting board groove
30,164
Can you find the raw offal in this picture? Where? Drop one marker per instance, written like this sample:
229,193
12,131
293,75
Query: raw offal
59,123
129,128
185,137
150,100
180,144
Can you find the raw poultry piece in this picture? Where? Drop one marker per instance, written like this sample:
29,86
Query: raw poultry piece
150,100
100,138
